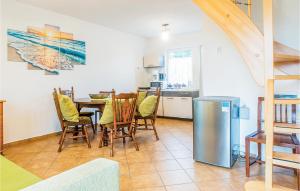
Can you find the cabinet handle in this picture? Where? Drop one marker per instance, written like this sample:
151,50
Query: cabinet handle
184,98
170,98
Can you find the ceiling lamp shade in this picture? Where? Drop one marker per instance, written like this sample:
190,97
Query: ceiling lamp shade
165,32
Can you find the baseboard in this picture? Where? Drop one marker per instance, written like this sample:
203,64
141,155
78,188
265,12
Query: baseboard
177,118
31,139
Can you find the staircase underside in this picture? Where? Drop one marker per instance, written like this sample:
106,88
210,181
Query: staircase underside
247,38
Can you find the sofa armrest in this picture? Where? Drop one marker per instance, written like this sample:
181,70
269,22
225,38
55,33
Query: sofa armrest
97,175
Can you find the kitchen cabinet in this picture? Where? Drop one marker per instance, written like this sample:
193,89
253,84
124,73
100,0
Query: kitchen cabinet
153,61
179,107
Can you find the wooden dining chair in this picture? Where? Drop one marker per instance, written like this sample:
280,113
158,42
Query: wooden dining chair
289,141
123,106
151,118
88,114
71,127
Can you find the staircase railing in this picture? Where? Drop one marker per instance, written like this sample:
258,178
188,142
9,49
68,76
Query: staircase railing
245,5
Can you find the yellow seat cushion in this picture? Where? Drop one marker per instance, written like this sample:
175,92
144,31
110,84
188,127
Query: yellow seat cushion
147,106
68,108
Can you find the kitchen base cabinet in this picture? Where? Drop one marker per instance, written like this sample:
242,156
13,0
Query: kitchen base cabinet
179,107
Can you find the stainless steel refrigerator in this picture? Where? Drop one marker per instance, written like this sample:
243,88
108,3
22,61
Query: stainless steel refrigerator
216,130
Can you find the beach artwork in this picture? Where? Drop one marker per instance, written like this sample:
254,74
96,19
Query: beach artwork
47,49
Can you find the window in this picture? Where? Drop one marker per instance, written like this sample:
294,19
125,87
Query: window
180,68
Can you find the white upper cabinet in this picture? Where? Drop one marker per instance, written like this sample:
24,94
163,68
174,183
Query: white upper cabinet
154,60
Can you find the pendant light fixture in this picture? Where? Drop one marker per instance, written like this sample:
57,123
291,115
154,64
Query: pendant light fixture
165,32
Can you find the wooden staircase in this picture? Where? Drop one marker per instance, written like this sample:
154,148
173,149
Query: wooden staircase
262,55
247,37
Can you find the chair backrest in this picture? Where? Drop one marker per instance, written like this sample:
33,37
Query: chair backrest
124,106
157,93
58,110
282,113
69,93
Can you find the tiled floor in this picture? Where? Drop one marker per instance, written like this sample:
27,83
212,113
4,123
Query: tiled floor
164,165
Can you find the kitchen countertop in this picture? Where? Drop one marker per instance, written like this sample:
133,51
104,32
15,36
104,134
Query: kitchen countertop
178,92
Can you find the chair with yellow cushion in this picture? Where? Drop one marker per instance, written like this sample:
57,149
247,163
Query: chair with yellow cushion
147,110
70,120
89,114
118,116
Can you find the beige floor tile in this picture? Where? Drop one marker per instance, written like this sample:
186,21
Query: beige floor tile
181,154
183,187
151,189
137,169
189,163
146,181
215,185
161,155
138,157
167,165
201,174
175,177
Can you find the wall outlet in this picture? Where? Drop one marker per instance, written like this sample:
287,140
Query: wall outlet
244,112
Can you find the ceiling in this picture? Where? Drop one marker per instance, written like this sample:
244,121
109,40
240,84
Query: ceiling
139,17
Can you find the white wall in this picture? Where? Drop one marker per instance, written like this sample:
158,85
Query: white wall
1,55
223,71
112,58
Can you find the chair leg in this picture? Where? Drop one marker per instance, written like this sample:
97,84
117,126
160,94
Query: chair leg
295,170
123,133
298,179
247,156
101,138
154,129
135,126
135,143
146,125
62,139
112,142
86,136
259,151
93,126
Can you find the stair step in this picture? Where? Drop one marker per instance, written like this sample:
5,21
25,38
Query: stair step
286,159
260,186
286,58
287,77
286,128
287,101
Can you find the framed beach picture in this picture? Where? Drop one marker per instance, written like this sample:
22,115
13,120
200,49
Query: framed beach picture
47,49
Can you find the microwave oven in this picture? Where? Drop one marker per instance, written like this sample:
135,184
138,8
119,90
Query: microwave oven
156,84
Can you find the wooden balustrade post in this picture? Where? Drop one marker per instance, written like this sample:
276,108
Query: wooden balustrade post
1,126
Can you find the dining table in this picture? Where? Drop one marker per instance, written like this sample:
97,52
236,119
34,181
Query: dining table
94,104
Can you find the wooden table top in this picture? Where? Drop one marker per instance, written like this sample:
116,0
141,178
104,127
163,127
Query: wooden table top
90,101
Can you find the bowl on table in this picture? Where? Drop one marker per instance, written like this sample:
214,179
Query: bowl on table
99,96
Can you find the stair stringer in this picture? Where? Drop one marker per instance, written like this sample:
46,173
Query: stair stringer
241,30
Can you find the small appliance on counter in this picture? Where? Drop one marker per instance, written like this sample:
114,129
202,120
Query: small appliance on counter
216,130
156,84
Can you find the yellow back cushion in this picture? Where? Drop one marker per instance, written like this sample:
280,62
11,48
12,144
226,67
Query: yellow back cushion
147,106
68,108
141,97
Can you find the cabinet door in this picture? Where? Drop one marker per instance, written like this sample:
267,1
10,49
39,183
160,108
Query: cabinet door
160,110
170,107
185,107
